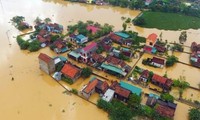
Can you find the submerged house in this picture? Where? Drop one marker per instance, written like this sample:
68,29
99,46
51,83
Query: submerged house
46,63
70,71
119,37
87,51
127,52
108,96
96,59
75,55
162,82
150,42
131,88
144,76
59,46
92,29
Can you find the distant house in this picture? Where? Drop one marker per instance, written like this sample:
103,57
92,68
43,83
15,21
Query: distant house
55,28
115,38
46,63
92,29
157,62
151,40
160,48
162,82
144,76
133,89
101,87
80,39
127,52
149,49
87,51
108,96
70,71
60,46
90,88
122,93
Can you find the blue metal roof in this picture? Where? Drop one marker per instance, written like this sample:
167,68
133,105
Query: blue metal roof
130,87
121,34
80,37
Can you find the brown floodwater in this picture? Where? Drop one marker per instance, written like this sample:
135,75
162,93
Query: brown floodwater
29,94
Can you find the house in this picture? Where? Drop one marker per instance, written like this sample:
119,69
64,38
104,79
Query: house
151,40
92,29
149,49
162,82
87,51
75,55
115,38
121,93
96,59
122,35
80,39
195,56
111,69
101,87
131,88
127,52
70,71
55,28
46,63
59,46
108,95
144,76
151,101
115,53
128,42
160,48
90,88
58,62
157,62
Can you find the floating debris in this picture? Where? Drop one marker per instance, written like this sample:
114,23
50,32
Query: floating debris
50,105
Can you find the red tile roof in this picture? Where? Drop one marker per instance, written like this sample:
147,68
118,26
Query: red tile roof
45,57
152,37
92,28
104,86
70,70
114,84
145,74
165,111
59,44
97,57
115,37
159,79
122,92
91,85
169,83
113,60
90,46
158,61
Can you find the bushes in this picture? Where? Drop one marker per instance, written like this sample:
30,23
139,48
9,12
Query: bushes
171,60
75,91
167,97
34,46
24,45
102,104
86,72
67,80
194,114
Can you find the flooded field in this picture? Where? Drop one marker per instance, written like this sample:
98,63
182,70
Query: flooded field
29,94
191,74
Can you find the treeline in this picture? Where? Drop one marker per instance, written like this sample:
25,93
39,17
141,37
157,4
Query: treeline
172,6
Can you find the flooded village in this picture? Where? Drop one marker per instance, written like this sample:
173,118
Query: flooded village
67,65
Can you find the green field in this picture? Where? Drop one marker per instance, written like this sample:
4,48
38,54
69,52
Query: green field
169,21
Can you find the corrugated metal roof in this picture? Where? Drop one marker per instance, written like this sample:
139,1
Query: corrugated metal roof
121,34
113,68
130,87
75,54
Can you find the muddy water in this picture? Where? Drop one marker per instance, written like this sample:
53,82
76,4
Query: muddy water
28,93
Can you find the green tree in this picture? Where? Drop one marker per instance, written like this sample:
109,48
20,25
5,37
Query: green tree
167,97
17,20
34,46
171,60
134,100
183,37
24,45
38,20
124,25
102,104
86,72
194,114
47,20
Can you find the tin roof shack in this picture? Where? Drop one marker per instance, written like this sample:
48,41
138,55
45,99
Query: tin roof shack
87,51
46,63
71,72
162,82
195,56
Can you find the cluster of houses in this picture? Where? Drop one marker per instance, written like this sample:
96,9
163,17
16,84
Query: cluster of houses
49,65
160,81
195,55
45,33
110,64
152,45
121,90
164,108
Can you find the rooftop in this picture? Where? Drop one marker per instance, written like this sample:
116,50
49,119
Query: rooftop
108,95
91,85
75,54
115,37
152,37
113,68
70,70
131,88
158,60
80,36
121,34
97,57
92,28
159,78
122,92
45,57
90,46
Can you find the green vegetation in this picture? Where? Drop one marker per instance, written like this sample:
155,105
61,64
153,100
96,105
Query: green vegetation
116,109
164,21
177,47
167,97
171,60
67,80
31,46
194,114
134,101
183,37
86,72
18,22
75,91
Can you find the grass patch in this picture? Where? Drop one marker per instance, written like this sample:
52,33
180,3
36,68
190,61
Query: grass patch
169,21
